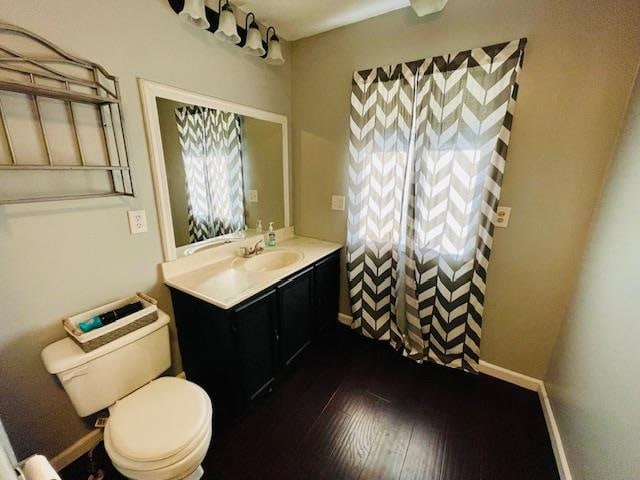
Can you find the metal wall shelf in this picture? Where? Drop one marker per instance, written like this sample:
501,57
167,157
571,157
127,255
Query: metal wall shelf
53,92
61,76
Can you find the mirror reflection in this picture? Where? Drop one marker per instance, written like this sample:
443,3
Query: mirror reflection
224,171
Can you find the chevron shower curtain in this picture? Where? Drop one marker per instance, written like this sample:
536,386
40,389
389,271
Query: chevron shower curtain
427,151
212,156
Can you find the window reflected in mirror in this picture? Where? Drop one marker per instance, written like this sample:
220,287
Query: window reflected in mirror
224,171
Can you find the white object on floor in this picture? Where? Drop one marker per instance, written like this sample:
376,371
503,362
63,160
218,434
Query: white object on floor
8,460
6,468
39,468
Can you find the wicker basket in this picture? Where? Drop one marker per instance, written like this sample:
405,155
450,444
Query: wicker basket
101,336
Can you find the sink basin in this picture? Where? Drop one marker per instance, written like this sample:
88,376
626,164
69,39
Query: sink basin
269,261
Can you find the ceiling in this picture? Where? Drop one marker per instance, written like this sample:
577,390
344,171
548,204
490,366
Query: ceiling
295,19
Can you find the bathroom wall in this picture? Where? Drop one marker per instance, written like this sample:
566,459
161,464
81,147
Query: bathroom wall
578,70
60,258
262,171
175,169
593,380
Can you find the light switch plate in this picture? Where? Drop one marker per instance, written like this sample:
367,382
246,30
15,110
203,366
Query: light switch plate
337,202
253,196
502,217
137,221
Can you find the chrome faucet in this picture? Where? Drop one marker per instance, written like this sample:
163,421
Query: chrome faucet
251,251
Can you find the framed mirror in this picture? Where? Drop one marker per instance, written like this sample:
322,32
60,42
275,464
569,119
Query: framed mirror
220,169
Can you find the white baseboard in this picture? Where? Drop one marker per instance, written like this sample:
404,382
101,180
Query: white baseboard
524,381
554,434
75,451
510,376
345,319
536,385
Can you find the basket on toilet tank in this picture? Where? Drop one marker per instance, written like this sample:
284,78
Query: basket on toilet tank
101,336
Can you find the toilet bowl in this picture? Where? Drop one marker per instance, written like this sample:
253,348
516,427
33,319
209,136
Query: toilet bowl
159,428
161,431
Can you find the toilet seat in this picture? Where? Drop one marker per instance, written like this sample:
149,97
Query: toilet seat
160,431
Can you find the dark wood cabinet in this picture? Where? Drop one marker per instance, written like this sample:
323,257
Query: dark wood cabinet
295,299
327,291
237,354
254,326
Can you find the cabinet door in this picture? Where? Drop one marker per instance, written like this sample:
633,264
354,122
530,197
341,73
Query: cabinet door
254,326
296,310
327,290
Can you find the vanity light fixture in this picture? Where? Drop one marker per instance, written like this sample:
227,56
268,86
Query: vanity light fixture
253,42
194,14
274,54
227,29
223,26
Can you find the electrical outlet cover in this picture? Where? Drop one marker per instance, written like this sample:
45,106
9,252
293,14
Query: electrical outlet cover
137,221
337,202
502,217
253,196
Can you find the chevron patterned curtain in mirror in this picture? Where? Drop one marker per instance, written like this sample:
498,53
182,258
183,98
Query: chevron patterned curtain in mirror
212,155
428,146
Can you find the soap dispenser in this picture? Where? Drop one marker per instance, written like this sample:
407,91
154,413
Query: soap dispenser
271,236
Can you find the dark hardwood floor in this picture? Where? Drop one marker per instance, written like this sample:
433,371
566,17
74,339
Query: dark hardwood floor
352,408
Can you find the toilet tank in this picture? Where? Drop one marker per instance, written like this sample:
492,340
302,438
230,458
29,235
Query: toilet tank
97,379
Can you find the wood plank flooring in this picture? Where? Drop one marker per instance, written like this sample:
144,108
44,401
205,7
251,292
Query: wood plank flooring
352,408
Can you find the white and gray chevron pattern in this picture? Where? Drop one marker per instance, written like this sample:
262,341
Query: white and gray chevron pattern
427,153
212,156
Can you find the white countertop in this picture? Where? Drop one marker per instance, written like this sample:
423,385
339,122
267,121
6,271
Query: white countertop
210,276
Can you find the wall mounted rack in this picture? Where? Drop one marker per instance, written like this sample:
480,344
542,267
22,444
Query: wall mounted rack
48,74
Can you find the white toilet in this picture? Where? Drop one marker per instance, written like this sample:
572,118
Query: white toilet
158,428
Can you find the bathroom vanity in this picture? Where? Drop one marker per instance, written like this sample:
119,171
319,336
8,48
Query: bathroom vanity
243,322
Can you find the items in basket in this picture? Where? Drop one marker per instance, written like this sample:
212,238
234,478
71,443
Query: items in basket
117,319
109,317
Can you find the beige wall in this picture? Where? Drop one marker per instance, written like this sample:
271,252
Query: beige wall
262,171
60,258
174,166
593,380
578,70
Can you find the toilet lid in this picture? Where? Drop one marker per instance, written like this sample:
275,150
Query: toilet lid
159,420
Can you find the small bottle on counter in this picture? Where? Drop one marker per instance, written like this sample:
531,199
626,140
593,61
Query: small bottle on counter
271,236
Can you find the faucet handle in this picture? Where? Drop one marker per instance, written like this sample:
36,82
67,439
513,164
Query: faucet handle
257,248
